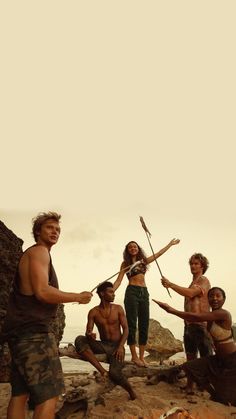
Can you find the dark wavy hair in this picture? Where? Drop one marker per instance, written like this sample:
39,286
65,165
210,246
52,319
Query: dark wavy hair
128,258
203,260
41,218
216,288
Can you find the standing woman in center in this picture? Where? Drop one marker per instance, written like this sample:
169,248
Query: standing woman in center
136,295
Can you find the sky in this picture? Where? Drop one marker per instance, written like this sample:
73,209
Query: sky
112,110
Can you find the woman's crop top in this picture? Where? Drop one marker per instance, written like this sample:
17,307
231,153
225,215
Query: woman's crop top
138,268
221,335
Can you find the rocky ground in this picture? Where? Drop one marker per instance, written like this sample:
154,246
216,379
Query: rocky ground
151,402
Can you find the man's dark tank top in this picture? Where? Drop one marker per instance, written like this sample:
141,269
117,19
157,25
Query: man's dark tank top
25,313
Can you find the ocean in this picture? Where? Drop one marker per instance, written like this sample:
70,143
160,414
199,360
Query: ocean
72,366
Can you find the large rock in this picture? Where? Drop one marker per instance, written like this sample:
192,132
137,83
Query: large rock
161,342
10,251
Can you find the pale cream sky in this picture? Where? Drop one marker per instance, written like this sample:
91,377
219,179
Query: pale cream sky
111,110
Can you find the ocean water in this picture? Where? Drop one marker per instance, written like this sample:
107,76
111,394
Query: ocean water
70,333
70,365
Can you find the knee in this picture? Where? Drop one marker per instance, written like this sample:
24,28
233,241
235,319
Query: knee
18,402
47,408
80,343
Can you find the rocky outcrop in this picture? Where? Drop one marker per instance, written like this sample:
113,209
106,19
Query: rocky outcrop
10,251
161,342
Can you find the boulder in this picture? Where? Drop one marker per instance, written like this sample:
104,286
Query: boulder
10,250
161,342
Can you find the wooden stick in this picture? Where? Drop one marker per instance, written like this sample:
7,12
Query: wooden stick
129,266
112,276
148,234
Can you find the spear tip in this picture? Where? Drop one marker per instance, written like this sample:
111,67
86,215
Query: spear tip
144,226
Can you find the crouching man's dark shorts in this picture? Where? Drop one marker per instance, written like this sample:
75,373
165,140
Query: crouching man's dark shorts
36,367
83,343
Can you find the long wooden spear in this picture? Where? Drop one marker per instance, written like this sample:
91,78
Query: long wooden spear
148,234
123,269
112,276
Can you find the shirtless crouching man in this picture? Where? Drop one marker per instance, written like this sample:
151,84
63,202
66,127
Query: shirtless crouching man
109,319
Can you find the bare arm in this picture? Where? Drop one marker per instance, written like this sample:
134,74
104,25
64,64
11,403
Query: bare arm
124,325
186,292
119,277
162,251
38,275
195,317
90,324
120,352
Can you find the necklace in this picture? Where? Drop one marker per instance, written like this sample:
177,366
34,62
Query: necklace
103,314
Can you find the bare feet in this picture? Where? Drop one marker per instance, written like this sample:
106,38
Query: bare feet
145,364
137,362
